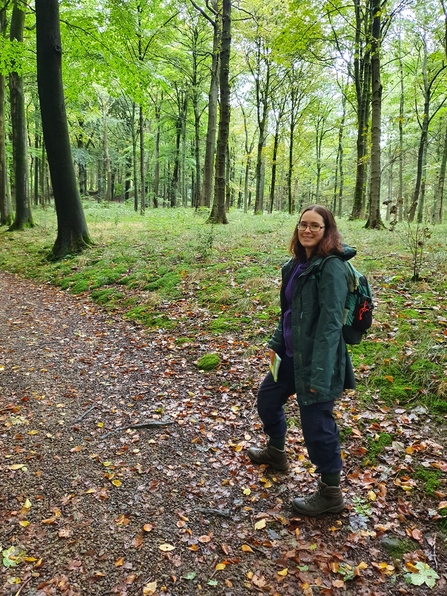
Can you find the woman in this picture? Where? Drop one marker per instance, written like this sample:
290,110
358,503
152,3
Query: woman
314,360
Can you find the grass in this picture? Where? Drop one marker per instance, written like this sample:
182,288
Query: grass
171,270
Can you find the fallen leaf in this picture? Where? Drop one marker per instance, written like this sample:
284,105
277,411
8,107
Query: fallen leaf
119,562
220,566
137,541
148,527
204,538
246,548
283,572
149,589
259,525
116,482
166,547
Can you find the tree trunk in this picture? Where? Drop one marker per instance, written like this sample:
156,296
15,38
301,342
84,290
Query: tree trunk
107,167
341,156
422,153
210,145
274,165
375,219
262,108
157,153
134,155
362,81
23,218
142,166
439,191
218,214
5,206
400,192
72,234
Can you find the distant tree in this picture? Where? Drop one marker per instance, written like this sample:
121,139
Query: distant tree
5,205
23,218
72,232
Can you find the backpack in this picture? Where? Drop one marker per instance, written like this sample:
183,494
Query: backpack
358,306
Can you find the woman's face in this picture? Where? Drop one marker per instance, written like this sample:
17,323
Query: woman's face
308,238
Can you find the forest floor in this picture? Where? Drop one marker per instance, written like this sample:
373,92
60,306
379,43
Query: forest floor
91,506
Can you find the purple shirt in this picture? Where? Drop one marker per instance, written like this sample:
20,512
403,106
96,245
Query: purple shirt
287,316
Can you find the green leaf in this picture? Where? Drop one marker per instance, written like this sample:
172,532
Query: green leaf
190,575
425,575
12,556
213,582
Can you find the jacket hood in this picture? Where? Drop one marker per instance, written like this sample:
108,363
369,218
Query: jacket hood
347,252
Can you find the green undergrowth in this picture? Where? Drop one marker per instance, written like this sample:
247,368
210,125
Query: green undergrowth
169,269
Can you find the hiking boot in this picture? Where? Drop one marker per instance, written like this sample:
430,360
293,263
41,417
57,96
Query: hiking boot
327,499
276,458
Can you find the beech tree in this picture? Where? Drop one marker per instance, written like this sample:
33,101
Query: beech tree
218,213
23,218
72,232
5,204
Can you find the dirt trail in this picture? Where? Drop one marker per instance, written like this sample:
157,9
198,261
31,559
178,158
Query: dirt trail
91,506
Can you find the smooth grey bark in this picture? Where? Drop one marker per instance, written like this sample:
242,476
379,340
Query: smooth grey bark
23,218
374,218
218,213
5,204
157,153
362,82
72,232
439,190
213,98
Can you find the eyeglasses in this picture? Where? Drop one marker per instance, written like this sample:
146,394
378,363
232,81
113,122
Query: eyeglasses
313,227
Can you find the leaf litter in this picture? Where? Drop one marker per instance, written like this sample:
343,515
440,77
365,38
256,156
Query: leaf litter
97,501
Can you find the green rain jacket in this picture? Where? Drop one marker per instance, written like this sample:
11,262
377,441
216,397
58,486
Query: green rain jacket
321,359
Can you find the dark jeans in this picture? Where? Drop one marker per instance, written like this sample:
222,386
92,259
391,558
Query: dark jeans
320,430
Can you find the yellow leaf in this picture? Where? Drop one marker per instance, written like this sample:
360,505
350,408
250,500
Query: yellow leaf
246,491
220,566
372,495
283,572
362,565
247,549
239,447
116,482
16,466
32,432
29,559
100,424
90,491
119,562
166,547
106,463
259,525
149,589
24,523
389,378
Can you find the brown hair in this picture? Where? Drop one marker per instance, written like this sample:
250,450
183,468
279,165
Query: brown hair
331,241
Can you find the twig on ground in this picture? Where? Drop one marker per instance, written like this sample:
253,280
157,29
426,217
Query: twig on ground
152,424
84,414
22,586
210,511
